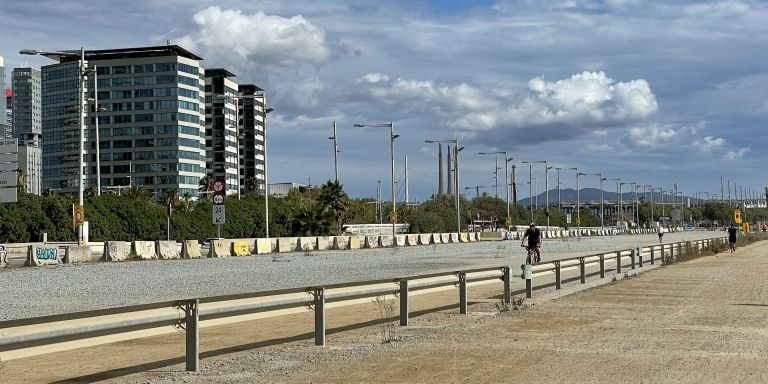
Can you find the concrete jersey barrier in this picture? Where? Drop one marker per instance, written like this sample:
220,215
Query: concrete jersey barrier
400,240
219,248
307,243
425,238
144,250
385,241
190,249
454,237
322,243
167,250
287,244
412,239
38,255
371,241
240,248
80,254
341,242
445,238
117,250
436,238
263,246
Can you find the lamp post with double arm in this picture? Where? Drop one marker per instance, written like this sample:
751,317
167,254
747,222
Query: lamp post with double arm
392,137
507,159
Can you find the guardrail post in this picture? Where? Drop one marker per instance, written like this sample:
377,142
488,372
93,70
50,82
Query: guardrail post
463,293
404,303
191,324
583,270
602,266
528,276
558,281
319,302
618,261
632,256
640,256
653,254
507,277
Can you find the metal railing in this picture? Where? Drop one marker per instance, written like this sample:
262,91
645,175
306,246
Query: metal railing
315,298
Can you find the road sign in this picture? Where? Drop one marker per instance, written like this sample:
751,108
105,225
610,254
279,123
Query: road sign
567,218
218,199
676,215
219,214
8,179
218,186
79,214
393,217
737,216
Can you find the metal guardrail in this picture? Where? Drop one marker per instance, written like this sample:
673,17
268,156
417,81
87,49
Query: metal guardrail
316,300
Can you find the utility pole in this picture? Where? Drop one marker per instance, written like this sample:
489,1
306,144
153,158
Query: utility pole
335,153
514,184
440,181
406,180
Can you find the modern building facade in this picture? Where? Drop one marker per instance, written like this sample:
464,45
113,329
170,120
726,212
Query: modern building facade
148,104
5,129
234,136
27,124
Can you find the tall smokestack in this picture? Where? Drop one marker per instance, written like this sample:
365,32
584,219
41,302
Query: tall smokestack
450,175
440,180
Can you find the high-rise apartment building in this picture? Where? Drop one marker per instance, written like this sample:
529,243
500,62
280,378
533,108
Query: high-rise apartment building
5,129
27,124
234,131
149,117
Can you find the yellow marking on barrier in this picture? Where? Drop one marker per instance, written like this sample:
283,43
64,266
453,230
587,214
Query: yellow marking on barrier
241,248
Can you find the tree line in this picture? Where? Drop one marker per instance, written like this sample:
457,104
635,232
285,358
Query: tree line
134,214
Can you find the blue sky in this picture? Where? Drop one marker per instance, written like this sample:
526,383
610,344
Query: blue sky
653,92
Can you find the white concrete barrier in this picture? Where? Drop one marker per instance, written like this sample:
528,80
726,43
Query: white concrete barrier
412,239
117,250
445,238
341,242
425,239
3,257
167,250
38,255
263,246
307,244
436,238
144,250
287,244
385,241
400,240
323,243
80,254
454,237
371,241
190,249
463,237
220,248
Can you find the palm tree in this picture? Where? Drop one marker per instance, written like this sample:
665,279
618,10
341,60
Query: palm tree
22,179
332,195
312,219
186,197
90,191
138,192
206,185
171,197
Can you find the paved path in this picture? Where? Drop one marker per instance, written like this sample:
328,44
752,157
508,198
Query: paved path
703,321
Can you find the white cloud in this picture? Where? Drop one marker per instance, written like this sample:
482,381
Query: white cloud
737,154
580,102
266,40
654,135
708,144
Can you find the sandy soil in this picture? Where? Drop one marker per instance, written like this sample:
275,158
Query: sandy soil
702,321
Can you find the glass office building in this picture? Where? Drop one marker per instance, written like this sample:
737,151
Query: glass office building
150,119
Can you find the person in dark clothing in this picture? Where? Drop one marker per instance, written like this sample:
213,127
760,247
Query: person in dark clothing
732,237
533,235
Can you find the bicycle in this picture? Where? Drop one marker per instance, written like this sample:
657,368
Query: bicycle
532,256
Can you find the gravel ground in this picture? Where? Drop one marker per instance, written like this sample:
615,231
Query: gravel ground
41,291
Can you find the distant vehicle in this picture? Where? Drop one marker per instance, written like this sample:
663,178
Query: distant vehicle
688,227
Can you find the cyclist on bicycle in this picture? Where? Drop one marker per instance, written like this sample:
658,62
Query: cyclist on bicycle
533,235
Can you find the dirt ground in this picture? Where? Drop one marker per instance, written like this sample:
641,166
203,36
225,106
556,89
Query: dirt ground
702,321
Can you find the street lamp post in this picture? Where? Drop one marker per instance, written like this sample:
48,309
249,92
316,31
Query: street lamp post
506,173
617,198
546,185
392,137
335,153
621,190
456,183
578,202
81,118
